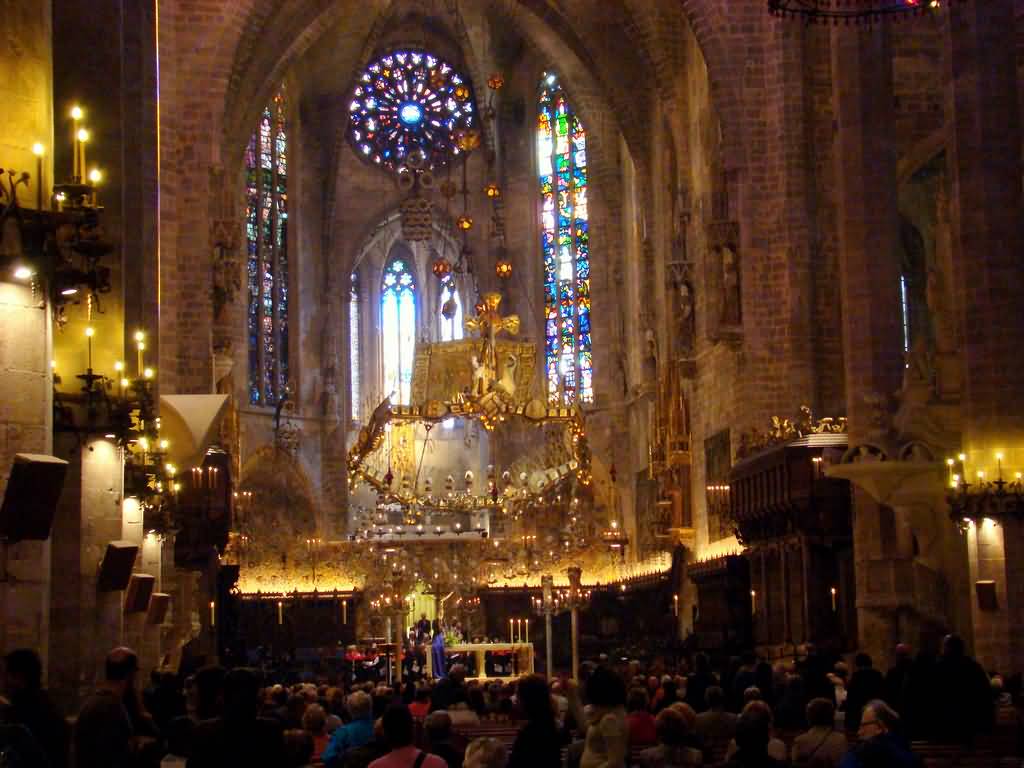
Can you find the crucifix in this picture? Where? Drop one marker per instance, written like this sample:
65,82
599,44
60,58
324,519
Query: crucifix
488,323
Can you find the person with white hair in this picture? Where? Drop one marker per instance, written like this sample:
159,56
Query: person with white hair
485,752
880,745
356,733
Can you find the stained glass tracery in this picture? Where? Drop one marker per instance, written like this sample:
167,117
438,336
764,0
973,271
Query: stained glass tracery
398,327
266,222
565,243
409,100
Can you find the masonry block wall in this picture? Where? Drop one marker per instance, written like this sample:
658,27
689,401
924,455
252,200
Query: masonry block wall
26,87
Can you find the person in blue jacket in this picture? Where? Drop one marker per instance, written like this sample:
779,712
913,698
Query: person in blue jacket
356,733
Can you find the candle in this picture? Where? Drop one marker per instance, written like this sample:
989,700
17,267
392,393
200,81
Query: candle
89,331
511,636
76,115
83,136
280,612
213,614
344,611
833,591
95,177
38,150
527,630
140,345
675,605
753,601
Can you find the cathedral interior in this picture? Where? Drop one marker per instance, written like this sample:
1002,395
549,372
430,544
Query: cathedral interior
590,325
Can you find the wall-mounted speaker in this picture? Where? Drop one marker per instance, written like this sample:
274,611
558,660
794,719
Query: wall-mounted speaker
136,597
987,598
116,566
30,500
159,602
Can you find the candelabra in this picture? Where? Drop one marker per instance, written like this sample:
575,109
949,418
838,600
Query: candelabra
997,499
59,245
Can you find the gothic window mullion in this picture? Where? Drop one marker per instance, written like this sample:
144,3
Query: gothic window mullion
266,222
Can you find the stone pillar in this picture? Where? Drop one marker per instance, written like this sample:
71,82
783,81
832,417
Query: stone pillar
869,268
984,152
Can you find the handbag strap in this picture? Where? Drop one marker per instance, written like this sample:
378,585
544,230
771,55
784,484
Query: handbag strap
419,759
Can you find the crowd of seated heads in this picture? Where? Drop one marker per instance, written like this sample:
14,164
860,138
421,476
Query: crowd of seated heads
682,708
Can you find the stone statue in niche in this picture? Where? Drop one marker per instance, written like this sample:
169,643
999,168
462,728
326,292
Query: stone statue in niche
731,302
686,319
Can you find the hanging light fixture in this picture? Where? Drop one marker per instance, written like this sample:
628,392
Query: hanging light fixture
855,11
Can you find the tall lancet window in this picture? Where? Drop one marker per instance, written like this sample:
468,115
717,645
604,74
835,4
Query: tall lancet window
398,327
354,347
266,223
450,310
565,242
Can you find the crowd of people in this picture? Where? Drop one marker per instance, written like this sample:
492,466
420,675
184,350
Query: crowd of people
811,711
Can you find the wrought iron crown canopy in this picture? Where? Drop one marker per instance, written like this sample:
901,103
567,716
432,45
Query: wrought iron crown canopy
852,11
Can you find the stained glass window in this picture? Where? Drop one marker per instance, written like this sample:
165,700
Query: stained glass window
565,243
398,327
409,100
354,346
451,328
266,223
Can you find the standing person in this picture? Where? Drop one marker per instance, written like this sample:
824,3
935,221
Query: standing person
103,734
437,651
239,736
607,740
698,682
879,743
897,680
398,729
32,707
866,684
966,706
538,743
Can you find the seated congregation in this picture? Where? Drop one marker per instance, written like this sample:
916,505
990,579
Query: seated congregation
811,711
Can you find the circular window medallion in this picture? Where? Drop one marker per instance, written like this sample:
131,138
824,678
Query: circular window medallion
407,101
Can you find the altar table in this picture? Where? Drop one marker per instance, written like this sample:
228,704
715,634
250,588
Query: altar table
522,651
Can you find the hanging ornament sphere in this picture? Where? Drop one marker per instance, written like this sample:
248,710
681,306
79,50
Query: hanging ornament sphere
465,223
493,190
448,189
441,267
503,269
461,92
448,310
467,140
495,81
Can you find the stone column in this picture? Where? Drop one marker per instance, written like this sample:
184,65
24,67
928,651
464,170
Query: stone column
869,268
985,161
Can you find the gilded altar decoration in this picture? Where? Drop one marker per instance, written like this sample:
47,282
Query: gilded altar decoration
783,430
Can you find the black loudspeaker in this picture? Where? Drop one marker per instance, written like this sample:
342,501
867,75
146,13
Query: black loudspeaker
30,500
136,597
986,591
116,566
159,602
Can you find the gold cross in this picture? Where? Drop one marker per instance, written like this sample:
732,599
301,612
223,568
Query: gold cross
488,323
